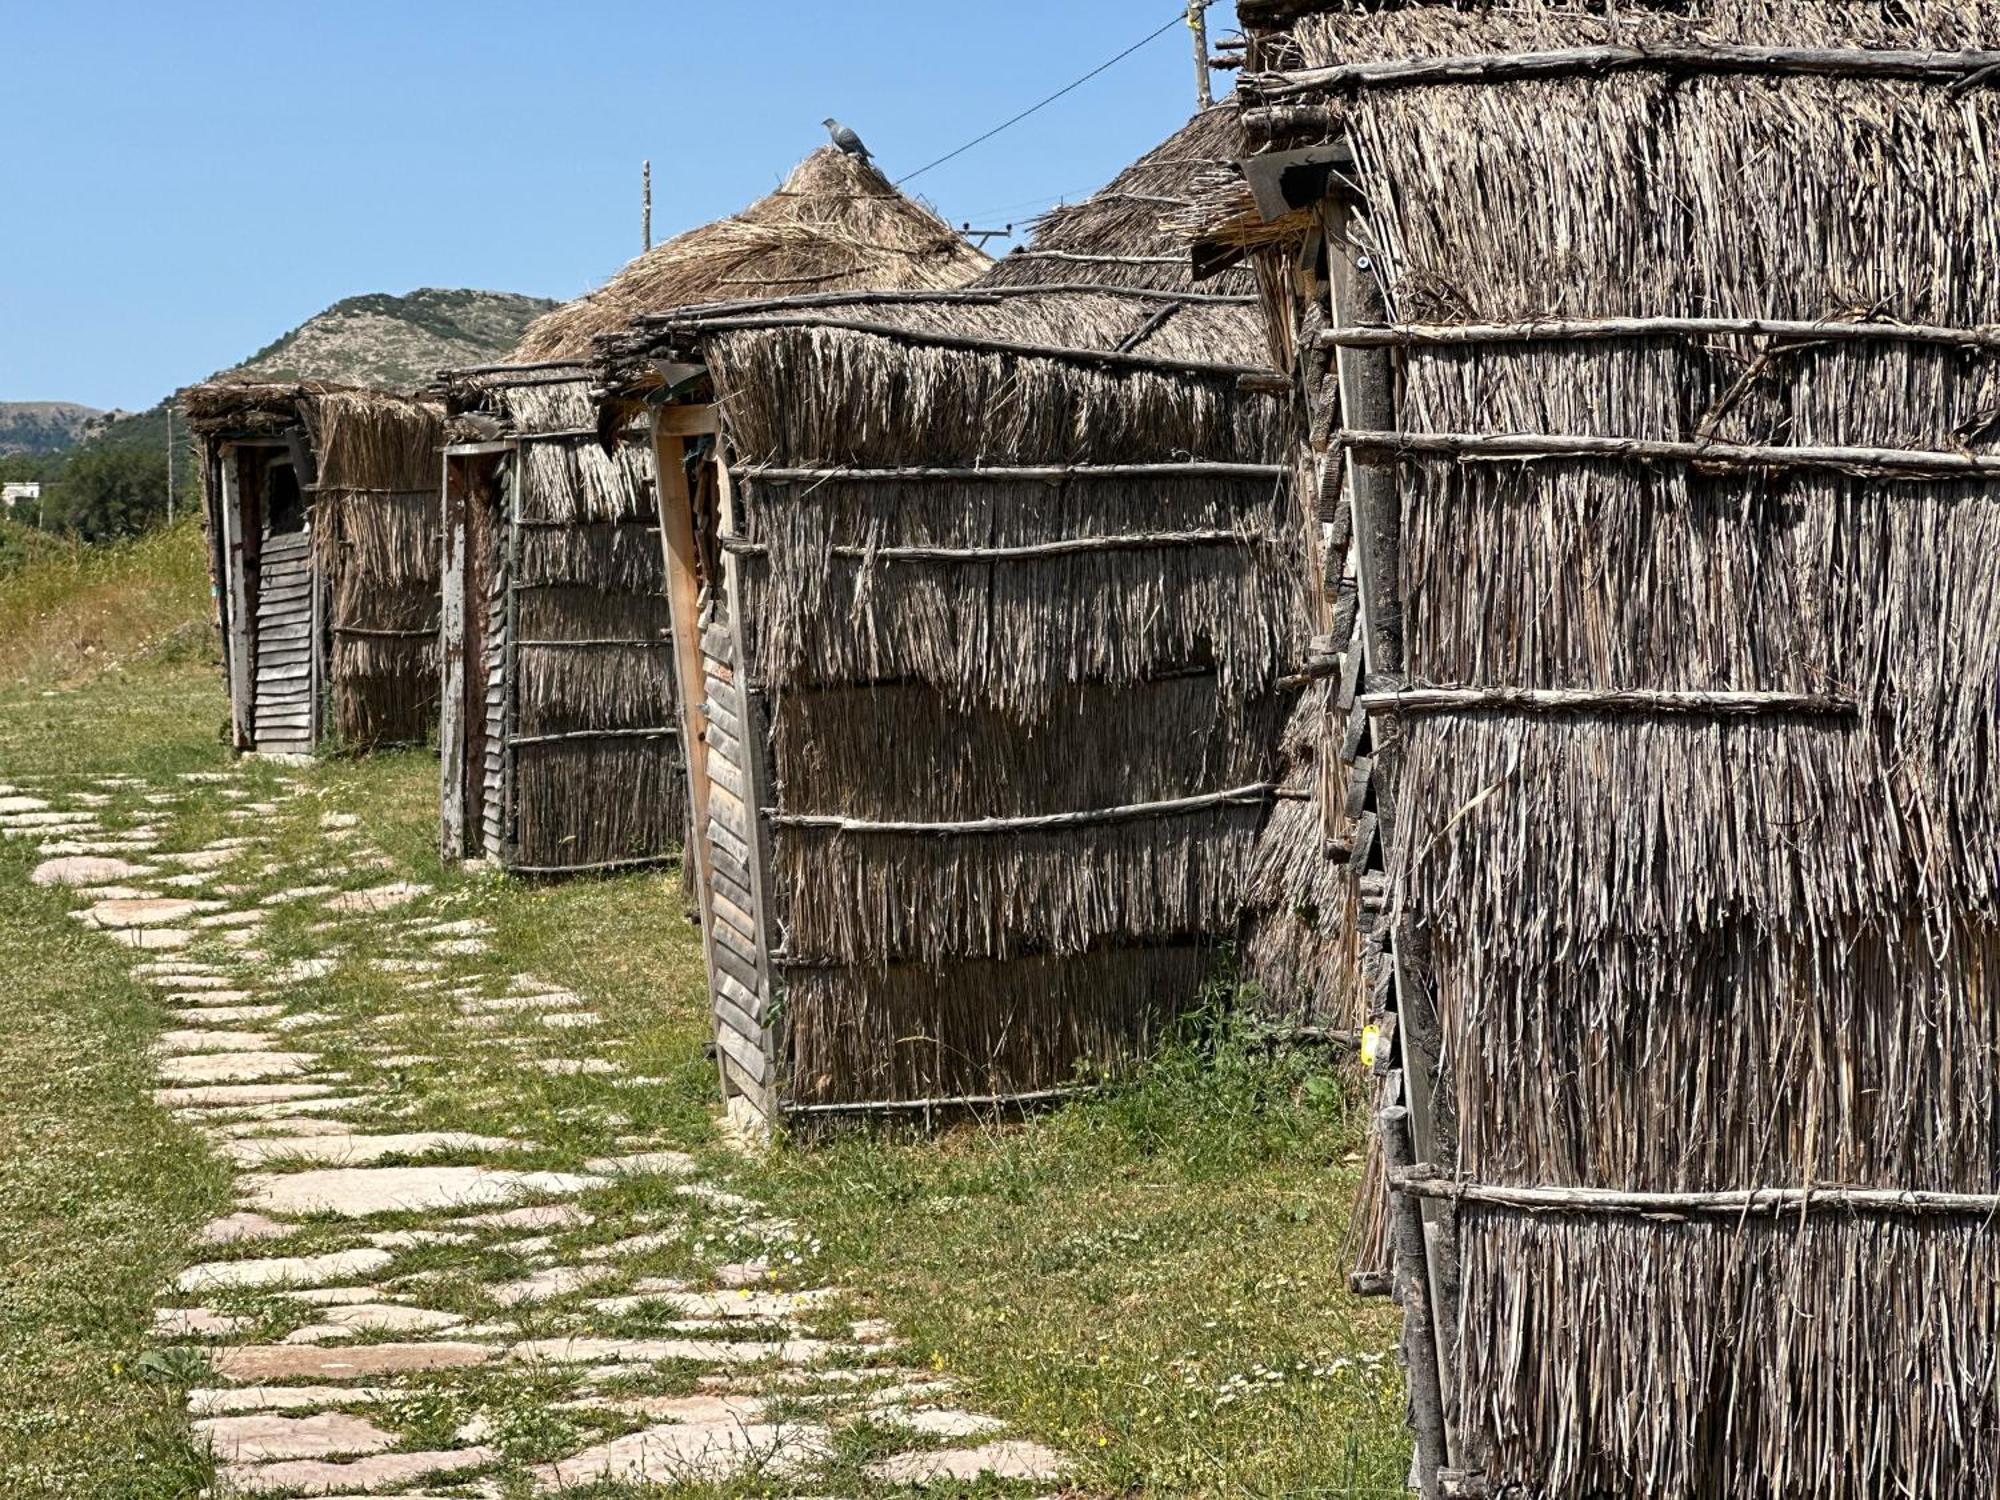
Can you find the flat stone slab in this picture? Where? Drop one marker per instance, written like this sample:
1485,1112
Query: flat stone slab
575,1067
1007,1459
255,1439
23,804
202,1039
83,869
228,1015
196,1323
358,1150
373,1317
939,1421
288,1270
241,1096
297,893
364,1476
356,1192
546,1286
234,1067
602,1351
154,911
535,1216
216,1401
203,859
644,1164
688,1453
152,939
240,1229
699,1410
378,898
294,1362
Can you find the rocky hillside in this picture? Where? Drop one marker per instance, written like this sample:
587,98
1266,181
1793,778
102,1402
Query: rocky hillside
45,426
398,342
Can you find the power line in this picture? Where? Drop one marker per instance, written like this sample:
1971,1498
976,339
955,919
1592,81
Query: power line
1179,20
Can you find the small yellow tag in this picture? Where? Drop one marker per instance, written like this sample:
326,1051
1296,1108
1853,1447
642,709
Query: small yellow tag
1371,1045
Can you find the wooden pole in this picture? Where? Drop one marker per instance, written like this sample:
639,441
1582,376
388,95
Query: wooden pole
170,463
646,228
1204,92
1412,1287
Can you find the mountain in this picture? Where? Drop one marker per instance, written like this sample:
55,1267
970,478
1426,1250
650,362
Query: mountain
46,426
398,343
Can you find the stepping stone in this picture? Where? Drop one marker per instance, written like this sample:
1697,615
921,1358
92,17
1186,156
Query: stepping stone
373,1317
229,1015
215,1401
195,1323
459,947
296,1362
339,820
281,1125
714,1197
170,1042
25,822
743,1273
697,1410
546,1286
239,1229
185,882
22,805
356,1192
106,847
939,1421
152,939
407,966
304,969
644,1164
156,911
638,1244
759,1307
605,1351
364,1476
118,893
574,1067
232,919
358,1150
499,1005
379,898
252,1439
234,1067
688,1453
336,1296
297,893
572,1020
306,1020
411,1239
468,927
1011,1459
79,870
202,859
535,1216
239,1096
290,1270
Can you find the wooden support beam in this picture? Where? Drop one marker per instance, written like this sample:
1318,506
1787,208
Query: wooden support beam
1599,330
1240,796
1720,704
1527,447
1419,1181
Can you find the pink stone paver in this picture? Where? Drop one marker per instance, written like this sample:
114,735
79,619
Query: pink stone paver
256,1439
287,1362
364,1476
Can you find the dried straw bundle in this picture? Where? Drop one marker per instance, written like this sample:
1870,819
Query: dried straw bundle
1671,952
570,689
615,558
981,1029
858,898
900,752
588,802
836,225
580,612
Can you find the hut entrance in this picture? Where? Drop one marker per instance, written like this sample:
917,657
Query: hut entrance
281,654
477,479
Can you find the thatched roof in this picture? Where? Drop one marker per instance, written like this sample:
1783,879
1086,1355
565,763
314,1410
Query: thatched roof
1126,233
1675,954
836,225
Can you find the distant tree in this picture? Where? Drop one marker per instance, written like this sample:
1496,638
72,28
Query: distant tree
109,492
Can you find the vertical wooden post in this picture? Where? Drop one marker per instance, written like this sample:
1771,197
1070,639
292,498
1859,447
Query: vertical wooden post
1368,401
510,667
646,226
1410,1270
236,596
677,539
1204,90
452,737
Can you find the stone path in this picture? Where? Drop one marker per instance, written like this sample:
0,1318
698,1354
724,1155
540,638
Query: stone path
398,1307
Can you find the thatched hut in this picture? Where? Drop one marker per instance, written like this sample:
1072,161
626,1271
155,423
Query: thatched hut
1657,340
322,512
561,742
992,596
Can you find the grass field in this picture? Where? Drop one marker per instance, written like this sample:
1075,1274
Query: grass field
1152,1281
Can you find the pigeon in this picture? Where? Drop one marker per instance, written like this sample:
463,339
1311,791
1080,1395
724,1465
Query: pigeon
847,140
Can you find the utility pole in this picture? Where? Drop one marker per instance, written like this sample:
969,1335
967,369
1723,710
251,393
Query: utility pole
1198,23
646,227
170,462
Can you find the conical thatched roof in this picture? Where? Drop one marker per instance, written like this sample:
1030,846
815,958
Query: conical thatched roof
1125,234
837,225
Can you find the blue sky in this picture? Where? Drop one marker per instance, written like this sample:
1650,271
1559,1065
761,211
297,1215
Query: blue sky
182,183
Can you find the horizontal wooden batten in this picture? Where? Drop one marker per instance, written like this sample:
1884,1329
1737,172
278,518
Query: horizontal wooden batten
1721,704
386,635
1067,547
594,734
603,866
1422,1182
947,1102
1572,62
603,642
1550,447
1592,330
1027,474
1239,796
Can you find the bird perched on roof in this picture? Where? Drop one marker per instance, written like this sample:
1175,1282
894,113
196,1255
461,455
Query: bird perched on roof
847,140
